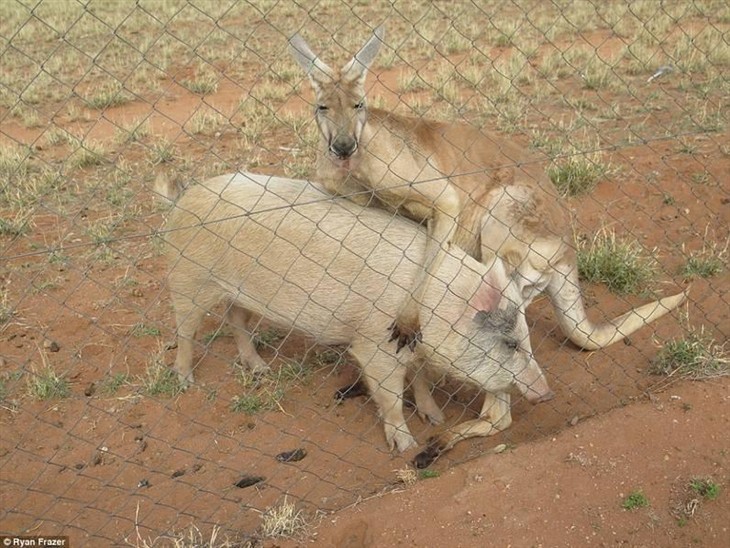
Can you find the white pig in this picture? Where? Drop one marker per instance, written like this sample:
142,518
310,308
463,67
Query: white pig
289,252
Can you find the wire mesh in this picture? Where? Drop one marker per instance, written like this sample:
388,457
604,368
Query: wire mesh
623,103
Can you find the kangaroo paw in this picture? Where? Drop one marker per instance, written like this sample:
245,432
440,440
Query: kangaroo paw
409,337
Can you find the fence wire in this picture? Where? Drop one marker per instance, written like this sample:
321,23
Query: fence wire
620,106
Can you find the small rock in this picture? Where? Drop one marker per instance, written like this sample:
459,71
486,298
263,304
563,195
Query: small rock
197,466
248,481
574,420
143,483
500,448
178,473
89,391
292,456
51,346
137,292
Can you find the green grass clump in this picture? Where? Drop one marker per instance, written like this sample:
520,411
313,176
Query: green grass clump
266,338
635,500
111,385
706,488
160,380
6,310
708,261
48,385
87,154
144,330
261,393
695,357
702,267
250,404
622,265
106,96
428,474
576,175
14,227
203,84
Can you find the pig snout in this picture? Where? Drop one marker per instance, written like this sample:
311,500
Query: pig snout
533,385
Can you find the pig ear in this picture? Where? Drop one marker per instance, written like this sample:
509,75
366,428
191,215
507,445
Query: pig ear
501,321
492,289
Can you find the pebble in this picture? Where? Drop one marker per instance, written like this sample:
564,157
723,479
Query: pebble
248,481
51,346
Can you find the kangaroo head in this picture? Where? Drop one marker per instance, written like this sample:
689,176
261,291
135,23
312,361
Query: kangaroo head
341,110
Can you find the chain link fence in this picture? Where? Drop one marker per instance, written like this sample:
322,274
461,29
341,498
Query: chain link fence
624,103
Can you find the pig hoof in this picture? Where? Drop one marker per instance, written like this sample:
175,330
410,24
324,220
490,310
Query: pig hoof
186,380
404,442
426,457
353,390
257,369
405,337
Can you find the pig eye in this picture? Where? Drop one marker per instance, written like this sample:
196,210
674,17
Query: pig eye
512,344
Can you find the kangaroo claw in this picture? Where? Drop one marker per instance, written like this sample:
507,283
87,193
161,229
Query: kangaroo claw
409,338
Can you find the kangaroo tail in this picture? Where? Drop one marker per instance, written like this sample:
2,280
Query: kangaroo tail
568,302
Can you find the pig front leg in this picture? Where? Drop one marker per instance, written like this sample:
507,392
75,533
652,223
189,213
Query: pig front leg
385,378
189,314
494,417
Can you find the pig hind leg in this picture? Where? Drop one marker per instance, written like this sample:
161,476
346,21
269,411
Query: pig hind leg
239,319
494,417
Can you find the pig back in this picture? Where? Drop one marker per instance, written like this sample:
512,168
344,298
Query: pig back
294,254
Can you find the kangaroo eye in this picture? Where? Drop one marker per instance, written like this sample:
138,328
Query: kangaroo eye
322,108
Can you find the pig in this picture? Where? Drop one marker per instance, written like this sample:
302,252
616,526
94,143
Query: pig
290,252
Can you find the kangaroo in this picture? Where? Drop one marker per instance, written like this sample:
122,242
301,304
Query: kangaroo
475,188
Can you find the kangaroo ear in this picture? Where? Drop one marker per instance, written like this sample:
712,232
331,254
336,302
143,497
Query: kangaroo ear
357,68
315,68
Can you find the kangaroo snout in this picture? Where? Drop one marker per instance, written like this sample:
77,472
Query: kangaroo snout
343,148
